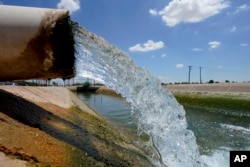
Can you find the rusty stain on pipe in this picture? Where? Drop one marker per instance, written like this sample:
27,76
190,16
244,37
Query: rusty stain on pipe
35,43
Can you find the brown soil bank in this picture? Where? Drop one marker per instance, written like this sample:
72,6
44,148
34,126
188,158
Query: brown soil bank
217,90
213,88
50,126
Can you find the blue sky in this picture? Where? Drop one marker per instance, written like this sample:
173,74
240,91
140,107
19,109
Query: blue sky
167,36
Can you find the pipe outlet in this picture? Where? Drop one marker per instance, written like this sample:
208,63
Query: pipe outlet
35,43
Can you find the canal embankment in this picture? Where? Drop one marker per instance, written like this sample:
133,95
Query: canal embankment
233,89
230,90
227,96
50,126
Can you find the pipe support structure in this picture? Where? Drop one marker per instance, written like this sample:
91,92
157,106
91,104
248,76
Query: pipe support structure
35,43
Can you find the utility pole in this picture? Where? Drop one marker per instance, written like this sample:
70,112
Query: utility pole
200,75
189,71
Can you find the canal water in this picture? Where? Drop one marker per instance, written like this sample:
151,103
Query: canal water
216,132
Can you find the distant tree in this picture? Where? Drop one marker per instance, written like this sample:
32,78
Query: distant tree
211,81
227,81
86,84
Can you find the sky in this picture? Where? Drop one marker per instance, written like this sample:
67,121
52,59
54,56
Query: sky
168,36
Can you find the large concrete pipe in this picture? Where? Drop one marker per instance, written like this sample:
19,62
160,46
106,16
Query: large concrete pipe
35,43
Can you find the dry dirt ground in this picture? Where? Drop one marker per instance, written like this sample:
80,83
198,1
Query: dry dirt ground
50,126
232,90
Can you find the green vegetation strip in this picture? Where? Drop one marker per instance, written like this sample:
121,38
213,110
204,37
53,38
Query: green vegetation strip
226,103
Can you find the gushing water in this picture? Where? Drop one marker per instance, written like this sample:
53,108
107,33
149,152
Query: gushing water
159,114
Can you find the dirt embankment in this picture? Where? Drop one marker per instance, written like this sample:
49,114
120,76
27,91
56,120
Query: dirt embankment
236,90
217,87
50,126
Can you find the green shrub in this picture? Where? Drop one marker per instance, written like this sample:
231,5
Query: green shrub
86,84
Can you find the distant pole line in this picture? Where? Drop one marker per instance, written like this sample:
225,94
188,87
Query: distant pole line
200,75
189,71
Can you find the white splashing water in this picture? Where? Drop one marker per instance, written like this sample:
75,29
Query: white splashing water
159,114
218,158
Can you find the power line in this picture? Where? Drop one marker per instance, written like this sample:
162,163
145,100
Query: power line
203,69
222,70
189,71
200,75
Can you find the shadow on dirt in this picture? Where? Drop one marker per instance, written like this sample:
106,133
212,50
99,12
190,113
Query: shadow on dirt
76,135
33,115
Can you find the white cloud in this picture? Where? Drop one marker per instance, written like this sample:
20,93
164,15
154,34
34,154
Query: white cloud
148,46
191,11
242,8
244,44
197,49
234,28
153,12
179,65
163,55
214,44
71,5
